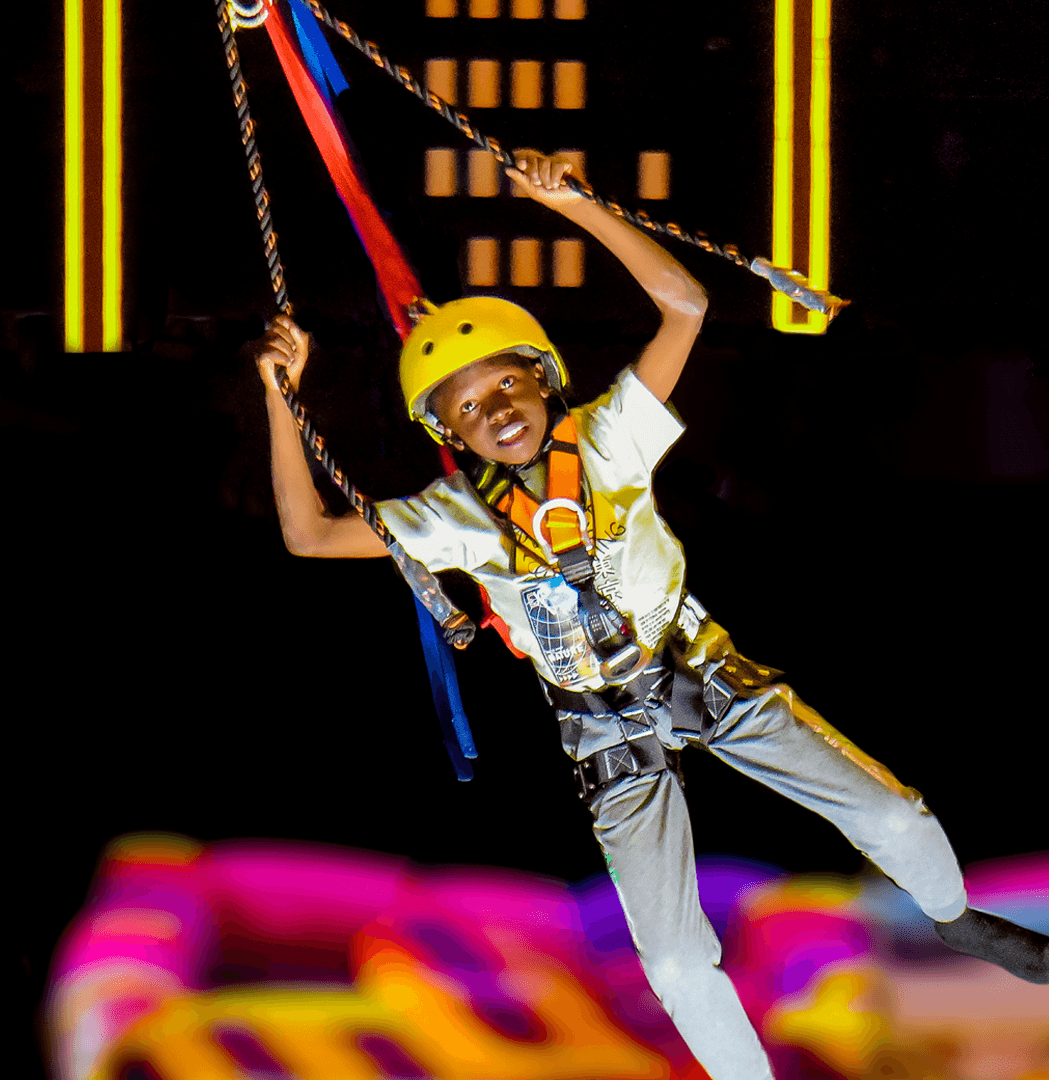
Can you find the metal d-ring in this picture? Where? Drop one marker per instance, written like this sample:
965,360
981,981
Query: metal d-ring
567,504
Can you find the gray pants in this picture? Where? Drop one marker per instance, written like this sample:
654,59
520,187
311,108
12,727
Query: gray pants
642,825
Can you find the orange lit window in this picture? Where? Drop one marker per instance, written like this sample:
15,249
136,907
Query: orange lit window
484,175
441,172
441,78
570,9
525,269
568,263
527,9
482,259
484,84
484,9
441,9
569,84
653,175
526,85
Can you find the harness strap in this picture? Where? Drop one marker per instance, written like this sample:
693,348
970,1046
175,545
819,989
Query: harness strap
560,525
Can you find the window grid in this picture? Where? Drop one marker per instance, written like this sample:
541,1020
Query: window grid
529,260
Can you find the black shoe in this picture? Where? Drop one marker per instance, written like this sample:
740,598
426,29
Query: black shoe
1022,952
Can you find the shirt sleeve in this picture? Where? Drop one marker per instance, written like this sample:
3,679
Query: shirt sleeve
432,526
629,413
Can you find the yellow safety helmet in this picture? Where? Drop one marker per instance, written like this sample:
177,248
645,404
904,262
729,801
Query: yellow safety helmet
448,338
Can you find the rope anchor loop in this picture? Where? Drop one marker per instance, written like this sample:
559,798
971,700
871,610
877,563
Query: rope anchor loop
250,15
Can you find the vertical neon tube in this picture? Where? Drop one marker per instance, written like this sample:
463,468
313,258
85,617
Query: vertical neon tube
819,192
112,161
783,144
802,51
74,180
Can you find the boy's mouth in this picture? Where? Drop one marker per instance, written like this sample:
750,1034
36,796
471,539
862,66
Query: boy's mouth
511,433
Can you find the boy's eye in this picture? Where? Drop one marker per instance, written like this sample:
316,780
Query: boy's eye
468,406
507,382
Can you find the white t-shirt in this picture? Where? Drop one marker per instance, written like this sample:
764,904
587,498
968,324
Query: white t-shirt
639,564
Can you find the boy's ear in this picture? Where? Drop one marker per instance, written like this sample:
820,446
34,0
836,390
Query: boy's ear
540,375
449,436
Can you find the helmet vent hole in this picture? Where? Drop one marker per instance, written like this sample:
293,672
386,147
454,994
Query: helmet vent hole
466,328
427,348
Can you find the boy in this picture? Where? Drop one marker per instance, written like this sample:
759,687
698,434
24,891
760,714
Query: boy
552,513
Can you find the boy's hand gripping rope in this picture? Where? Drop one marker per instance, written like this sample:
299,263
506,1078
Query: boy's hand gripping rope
457,626
785,281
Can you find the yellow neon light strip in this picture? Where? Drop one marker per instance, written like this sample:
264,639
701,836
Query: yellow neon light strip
112,154
74,181
818,270
783,141
819,190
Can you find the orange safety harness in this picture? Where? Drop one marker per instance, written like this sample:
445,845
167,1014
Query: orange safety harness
560,538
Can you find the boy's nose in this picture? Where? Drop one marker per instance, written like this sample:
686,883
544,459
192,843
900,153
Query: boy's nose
499,408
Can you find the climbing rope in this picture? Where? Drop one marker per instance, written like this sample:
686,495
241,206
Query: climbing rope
457,626
790,282
228,14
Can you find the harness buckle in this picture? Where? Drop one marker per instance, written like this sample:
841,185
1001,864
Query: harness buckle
540,514
641,755
626,664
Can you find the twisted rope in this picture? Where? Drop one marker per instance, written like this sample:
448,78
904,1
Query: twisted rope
251,153
457,626
790,282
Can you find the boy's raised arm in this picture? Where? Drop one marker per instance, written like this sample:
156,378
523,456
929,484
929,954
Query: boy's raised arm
681,300
308,529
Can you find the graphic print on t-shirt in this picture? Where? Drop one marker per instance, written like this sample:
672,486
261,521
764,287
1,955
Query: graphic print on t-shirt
551,604
552,608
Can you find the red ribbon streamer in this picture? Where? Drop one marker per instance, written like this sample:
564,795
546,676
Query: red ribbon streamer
397,282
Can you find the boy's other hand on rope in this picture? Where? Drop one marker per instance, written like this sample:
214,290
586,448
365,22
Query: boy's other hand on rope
283,344
542,178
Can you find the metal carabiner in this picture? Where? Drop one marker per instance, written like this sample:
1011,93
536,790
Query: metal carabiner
567,504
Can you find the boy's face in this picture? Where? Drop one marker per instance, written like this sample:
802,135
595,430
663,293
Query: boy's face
496,407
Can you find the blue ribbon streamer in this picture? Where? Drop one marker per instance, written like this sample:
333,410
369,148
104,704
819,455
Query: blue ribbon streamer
329,80
440,666
317,53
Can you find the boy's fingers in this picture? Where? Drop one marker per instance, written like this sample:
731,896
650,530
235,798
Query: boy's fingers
299,336
283,348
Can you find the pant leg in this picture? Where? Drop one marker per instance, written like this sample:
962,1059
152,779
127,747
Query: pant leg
642,825
772,736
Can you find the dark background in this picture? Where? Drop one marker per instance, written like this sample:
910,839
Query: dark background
862,509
